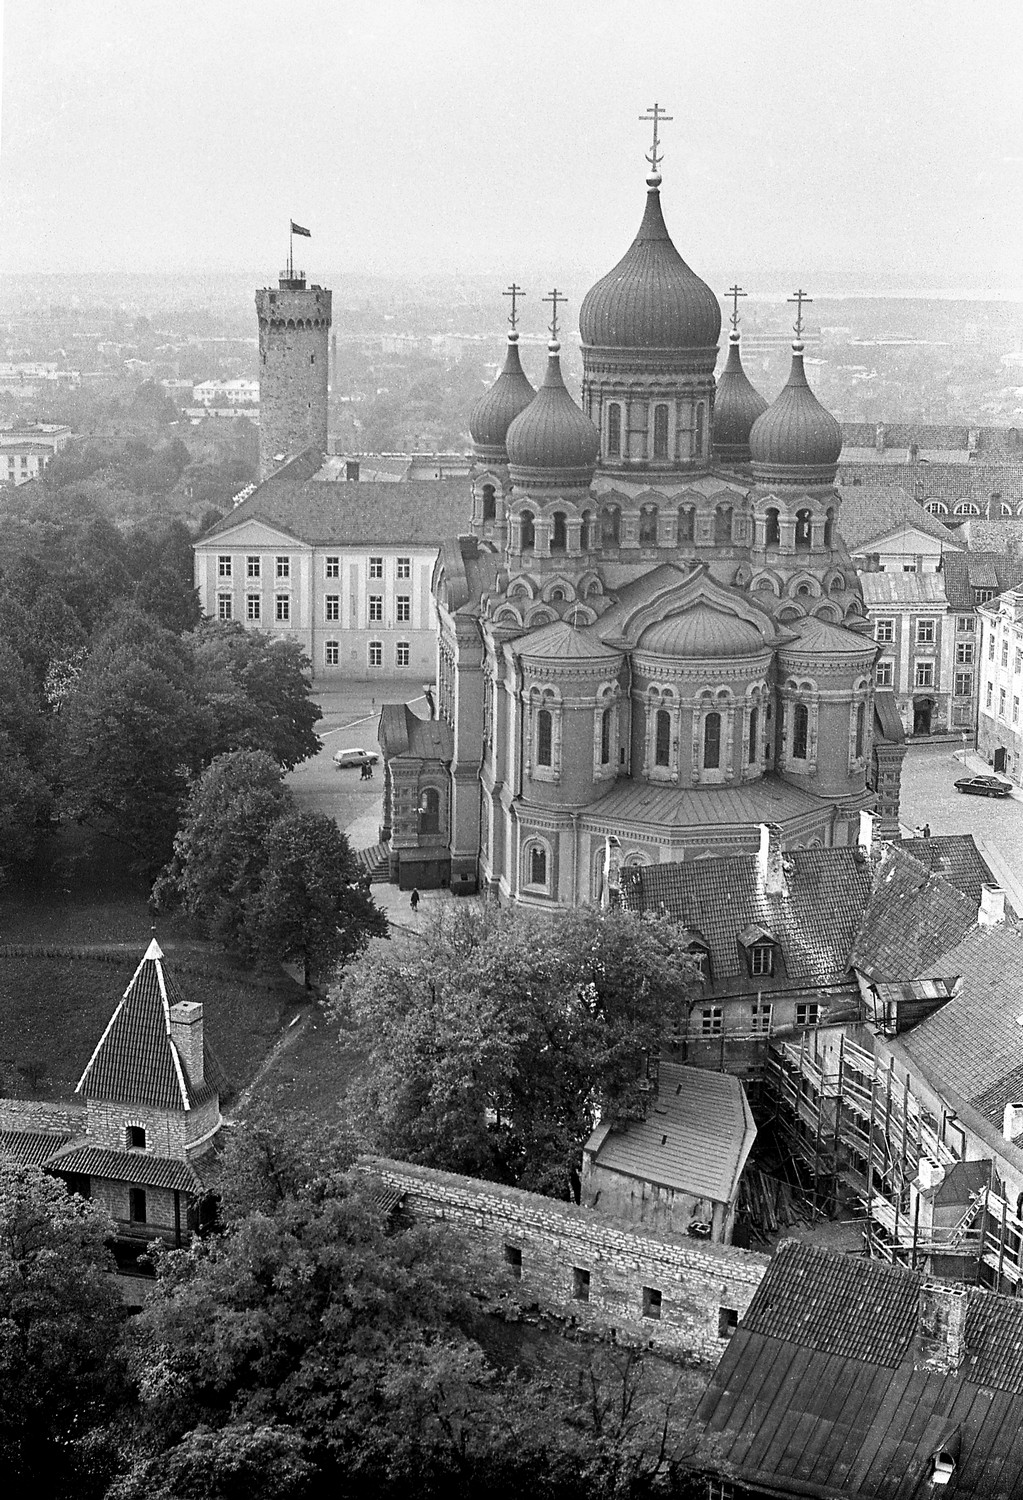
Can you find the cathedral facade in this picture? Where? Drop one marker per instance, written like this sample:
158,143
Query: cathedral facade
654,641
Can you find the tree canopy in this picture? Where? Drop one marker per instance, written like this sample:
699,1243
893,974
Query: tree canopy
495,1043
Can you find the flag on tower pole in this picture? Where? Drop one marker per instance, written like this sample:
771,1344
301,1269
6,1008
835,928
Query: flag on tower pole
297,229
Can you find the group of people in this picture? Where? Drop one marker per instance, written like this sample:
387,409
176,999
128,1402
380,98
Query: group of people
366,774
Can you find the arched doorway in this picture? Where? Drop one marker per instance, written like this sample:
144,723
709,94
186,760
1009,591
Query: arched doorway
923,708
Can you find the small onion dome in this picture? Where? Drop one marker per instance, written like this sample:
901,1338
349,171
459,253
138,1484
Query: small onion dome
703,634
737,405
651,300
552,443
497,409
795,441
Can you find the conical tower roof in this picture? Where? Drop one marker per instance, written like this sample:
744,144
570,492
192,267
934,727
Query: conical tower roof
651,299
796,441
495,411
737,405
552,443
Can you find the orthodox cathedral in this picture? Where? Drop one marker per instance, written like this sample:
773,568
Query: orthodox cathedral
653,642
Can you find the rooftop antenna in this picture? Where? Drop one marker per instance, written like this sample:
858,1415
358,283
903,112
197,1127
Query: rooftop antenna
554,298
657,114
735,292
514,292
799,298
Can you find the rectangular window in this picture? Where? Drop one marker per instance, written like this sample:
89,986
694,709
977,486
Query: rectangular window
403,609
925,632
253,607
964,684
924,674
580,1284
283,608
728,1322
808,1013
760,1019
224,565
884,630
991,648
284,567
513,1260
884,674
964,653
1005,653
331,654
332,607
651,1302
403,567
761,959
376,609
712,1020
376,653
981,596
965,622
376,567
1015,709
225,607
253,566
136,1138
137,1205
403,654
1017,665
989,691
660,432
1001,703
332,566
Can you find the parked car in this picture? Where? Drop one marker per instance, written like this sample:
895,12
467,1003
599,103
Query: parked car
355,757
984,786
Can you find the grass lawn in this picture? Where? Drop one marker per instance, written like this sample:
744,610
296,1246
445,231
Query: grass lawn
313,1073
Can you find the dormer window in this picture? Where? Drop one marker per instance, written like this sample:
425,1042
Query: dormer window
760,951
943,1467
761,959
700,956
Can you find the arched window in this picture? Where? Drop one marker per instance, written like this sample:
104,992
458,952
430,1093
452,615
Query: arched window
489,502
605,737
754,718
772,531
861,720
429,811
800,731
526,524
586,531
964,508
662,738
686,523
544,738
611,526
829,527
648,526
660,432
699,429
935,508
614,430
803,529
712,741
559,539
723,524
537,865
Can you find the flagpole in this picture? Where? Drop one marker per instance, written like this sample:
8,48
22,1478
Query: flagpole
291,251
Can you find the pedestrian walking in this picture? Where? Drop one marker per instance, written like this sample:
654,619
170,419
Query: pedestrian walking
413,901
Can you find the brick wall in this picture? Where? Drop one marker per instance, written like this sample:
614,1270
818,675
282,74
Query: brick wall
165,1129
34,1114
540,1251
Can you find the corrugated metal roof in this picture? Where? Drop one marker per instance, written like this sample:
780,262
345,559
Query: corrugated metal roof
903,588
127,1166
695,1138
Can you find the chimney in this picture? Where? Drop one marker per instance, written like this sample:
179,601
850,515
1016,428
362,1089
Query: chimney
186,1034
941,1327
866,839
1012,1121
770,870
992,906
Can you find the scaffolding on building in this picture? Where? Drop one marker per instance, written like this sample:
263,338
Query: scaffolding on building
857,1128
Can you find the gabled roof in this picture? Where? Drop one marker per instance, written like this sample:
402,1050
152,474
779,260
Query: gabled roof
910,919
873,512
956,858
819,1392
695,1138
966,571
135,1061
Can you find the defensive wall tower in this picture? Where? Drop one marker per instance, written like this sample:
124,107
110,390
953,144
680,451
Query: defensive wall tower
294,345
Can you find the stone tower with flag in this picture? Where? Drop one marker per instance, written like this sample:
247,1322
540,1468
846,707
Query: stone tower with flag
294,355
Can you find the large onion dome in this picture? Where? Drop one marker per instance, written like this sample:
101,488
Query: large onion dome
796,441
737,406
497,409
651,300
552,444
703,634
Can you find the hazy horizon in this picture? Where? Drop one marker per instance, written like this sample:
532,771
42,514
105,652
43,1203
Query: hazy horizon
873,151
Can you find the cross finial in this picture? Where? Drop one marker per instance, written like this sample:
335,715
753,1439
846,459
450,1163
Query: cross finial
799,298
735,292
656,113
554,298
514,292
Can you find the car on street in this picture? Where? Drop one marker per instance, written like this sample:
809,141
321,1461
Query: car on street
984,786
355,757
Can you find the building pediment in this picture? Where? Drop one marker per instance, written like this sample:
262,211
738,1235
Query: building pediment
674,595
252,533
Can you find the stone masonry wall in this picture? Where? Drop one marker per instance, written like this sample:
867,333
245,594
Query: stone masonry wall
108,1123
36,1114
294,335
644,1287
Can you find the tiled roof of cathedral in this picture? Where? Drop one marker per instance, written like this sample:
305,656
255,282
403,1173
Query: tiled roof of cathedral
820,1391
767,800
829,640
870,512
561,641
135,1060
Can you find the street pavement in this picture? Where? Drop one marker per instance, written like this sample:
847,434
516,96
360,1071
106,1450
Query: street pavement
929,775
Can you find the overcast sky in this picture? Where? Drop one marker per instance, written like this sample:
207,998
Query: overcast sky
826,142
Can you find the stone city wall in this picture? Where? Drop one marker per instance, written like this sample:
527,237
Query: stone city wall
37,1114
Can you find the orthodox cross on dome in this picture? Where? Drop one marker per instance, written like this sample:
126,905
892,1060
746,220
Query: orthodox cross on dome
554,298
735,292
799,298
514,292
656,114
